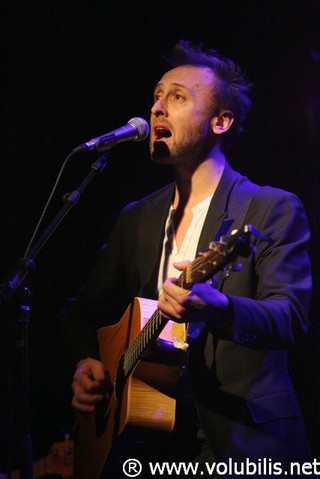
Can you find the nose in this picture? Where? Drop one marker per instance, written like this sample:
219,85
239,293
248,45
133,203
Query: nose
158,108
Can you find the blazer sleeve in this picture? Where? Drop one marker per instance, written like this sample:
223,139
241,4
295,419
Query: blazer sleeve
270,296
100,302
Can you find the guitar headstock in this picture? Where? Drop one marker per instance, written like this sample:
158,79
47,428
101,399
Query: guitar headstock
221,254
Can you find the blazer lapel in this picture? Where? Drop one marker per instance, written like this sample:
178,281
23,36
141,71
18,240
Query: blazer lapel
152,233
217,221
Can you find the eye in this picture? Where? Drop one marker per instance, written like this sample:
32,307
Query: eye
156,97
178,97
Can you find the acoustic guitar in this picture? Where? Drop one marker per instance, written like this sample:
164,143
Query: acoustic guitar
144,362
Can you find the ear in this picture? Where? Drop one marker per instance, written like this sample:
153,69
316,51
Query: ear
220,124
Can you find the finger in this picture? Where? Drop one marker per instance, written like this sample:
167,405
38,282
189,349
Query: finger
92,367
170,307
181,265
91,388
83,400
79,386
82,406
169,311
83,382
174,292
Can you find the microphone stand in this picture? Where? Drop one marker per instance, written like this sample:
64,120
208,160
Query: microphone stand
8,289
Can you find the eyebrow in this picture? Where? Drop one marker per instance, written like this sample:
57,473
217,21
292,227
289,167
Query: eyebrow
182,85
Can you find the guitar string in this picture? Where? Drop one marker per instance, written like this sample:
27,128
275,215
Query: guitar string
134,350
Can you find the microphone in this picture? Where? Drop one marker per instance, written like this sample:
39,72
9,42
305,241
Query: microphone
137,129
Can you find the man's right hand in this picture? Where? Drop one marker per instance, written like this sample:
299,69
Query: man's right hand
88,385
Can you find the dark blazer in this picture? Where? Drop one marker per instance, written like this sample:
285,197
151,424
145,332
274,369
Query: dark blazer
243,366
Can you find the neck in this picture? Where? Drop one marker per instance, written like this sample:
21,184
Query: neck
194,184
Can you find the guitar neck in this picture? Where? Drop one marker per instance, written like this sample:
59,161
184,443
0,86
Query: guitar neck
149,333
153,328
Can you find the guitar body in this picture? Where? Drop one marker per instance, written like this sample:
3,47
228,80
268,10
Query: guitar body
145,398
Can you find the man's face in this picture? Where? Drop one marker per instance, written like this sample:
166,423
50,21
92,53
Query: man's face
180,116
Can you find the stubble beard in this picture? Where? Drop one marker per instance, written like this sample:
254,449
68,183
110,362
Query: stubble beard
190,152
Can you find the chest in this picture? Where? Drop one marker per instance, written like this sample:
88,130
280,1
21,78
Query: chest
181,226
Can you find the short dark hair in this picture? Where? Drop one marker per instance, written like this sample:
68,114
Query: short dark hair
231,92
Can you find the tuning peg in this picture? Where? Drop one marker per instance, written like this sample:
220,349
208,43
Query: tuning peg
223,239
225,274
235,267
230,267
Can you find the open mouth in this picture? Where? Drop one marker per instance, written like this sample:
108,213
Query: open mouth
161,132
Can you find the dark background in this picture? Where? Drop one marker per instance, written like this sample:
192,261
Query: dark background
74,70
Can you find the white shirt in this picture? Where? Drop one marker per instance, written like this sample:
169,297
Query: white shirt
188,250
177,332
